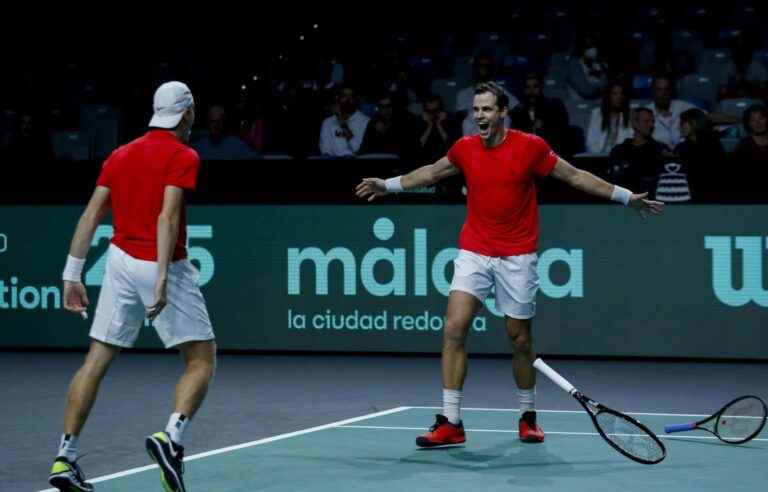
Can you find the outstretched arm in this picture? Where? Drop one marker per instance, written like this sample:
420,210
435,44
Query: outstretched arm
589,183
424,176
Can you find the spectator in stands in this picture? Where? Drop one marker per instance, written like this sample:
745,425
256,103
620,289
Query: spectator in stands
610,124
587,73
543,116
751,155
341,134
219,145
485,70
292,120
745,76
638,161
27,140
391,75
436,131
754,147
700,153
248,116
667,111
7,125
389,131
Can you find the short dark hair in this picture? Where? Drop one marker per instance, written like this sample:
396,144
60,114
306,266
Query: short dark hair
534,76
502,101
665,76
698,121
484,55
755,108
432,98
641,109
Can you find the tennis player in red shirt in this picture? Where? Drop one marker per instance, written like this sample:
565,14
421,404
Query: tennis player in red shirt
147,275
497,246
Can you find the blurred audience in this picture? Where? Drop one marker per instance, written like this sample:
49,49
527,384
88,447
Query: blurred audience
638,161
750,157
667,111
342,133
26,140
485,70
436,131
610,124
389,131
587,73
543,116
700,153
219,144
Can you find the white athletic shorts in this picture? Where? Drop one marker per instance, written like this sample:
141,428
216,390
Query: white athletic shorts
128,290
515,278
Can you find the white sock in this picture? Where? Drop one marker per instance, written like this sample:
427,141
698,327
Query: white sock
68,447
452,405
527,399
176,425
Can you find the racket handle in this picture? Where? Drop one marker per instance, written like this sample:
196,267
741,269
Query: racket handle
678,427
553,375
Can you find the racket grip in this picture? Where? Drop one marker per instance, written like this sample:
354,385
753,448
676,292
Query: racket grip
678,427
553,375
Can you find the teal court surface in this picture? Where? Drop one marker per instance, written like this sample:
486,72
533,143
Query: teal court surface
376,452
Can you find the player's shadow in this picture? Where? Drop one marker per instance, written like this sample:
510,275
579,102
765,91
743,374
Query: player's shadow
517,463
511,463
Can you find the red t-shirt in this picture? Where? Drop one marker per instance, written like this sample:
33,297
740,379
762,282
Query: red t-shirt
502,213
136,175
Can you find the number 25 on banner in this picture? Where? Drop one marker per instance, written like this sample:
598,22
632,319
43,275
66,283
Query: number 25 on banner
197,254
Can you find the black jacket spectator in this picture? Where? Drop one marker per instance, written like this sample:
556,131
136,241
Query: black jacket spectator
390,131
637,166
544,116
702,156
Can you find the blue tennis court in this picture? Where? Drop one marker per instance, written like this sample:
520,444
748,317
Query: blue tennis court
376,452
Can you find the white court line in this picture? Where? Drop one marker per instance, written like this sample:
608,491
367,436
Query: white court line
506,431
259,442
568,411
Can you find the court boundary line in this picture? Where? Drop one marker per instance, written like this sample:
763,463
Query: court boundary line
257,442
344,424
568,411
508,431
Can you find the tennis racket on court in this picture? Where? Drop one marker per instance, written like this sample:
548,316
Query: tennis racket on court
736,423
625,434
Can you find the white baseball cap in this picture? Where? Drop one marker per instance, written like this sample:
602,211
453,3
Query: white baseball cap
171,100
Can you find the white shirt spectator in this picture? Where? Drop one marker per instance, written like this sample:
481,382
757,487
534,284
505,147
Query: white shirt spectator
466,97
332,140
601,141
667,129
469,127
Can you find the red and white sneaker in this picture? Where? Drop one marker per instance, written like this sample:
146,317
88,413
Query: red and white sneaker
528,430
442,433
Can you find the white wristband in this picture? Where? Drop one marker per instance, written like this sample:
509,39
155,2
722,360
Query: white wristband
621,195
394,184
73,270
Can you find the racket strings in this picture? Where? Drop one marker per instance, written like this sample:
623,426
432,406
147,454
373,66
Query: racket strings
741,419
629,437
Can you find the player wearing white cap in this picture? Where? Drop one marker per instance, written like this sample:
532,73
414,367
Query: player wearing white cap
147,275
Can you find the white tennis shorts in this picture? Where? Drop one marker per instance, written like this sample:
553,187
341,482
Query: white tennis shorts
515,279
128,289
